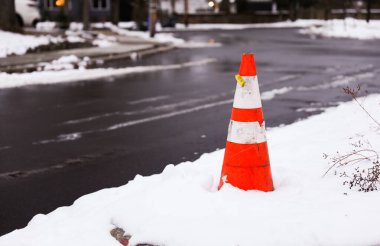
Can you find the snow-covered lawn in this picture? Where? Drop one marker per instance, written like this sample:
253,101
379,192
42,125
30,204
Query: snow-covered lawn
181,206
220,26
18,44
63,63
348,28
159,37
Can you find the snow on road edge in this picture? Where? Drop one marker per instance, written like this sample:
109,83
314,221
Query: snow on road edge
75,75
347,28
181,206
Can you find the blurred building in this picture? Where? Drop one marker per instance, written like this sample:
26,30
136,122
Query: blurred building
217,6
99,10
251,6
207,11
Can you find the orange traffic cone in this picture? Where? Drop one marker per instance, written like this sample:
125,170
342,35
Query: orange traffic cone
246,159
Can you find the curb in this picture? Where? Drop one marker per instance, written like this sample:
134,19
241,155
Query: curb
142,53
31,67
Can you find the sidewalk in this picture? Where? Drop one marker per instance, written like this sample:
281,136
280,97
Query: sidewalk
126,47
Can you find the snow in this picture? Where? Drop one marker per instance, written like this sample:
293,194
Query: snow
20,44
347,28
159,37
283,24
268,95
167,37
127,24
121,29
61,71
65,63
181,206
46,26
104,40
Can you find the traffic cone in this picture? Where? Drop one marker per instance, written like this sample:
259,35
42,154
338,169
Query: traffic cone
246,159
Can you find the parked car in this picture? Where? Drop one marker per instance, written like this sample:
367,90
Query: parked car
27,11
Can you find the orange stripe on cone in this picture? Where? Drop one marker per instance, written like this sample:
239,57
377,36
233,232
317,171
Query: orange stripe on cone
248,115
246,160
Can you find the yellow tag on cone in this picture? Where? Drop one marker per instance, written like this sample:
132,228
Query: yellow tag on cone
240,80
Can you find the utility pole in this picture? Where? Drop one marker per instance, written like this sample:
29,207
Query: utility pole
152,17
8,20
86,14
186,13
66,18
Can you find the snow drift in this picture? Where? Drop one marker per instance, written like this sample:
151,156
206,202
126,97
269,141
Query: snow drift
181,206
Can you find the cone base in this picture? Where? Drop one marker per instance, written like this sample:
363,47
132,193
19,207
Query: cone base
247,167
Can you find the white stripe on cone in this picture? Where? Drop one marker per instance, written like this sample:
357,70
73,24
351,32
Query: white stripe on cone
248,96
246,132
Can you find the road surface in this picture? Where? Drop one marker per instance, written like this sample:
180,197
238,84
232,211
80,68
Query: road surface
59,142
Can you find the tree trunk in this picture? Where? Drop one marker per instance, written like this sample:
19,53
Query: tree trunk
8,20
293,9
140,14
65,15
86,14
115,11
327,9
344,9
368,16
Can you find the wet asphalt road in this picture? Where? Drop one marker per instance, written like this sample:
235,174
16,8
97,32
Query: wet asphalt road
59,142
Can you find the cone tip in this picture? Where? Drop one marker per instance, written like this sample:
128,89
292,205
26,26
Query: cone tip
247,65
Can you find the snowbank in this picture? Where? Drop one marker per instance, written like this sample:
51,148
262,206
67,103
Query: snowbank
122,30
159,37
181,206
18,44
348,28
64,63
218,26
46,26
167,37
63,70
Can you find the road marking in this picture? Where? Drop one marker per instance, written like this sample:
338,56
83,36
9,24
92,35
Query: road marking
4,147
61,138
64,138
149,109
81,160
168,115
148,99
